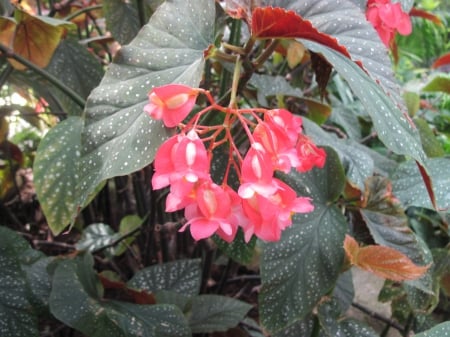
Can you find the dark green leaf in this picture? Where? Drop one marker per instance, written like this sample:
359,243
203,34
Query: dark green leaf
56,175
440,330
272,86
344,291
329,315
304,265
17,317
238,249
122,19
357,163
181,276
305,327
119,138
76,301
76,67
394,128
211,313
408,186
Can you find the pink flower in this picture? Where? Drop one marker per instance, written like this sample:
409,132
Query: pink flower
278,145
180,157
309,154
212,212
171,103
388,18
256,173
290,124
269,216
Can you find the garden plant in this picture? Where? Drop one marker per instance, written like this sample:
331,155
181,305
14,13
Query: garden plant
220,168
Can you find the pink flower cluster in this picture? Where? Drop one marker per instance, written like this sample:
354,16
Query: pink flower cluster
262,205
388,18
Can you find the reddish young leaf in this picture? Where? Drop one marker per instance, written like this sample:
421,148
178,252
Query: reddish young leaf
444,60
7,27
135,296
275,22
382,261
425,15
428,184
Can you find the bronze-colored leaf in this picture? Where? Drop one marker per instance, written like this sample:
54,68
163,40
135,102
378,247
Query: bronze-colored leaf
383,261
7,27
36,38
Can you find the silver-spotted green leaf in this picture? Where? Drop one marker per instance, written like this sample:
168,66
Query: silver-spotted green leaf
55,172
17,317
214,313
238,250
122,19
344,292
346,22
76,300
332,325
358,164
272,86
304,265
181,276
95,237
119,138
409,188
73,64
393,127
304,327
440,330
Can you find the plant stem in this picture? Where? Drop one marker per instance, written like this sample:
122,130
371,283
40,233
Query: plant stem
52,79
81,11
378,316
235,83
266,54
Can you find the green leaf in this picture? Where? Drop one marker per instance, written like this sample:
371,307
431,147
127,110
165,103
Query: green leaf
214,313
394,128
56,175
119,138
95,237
239,250
440,330
305,327
76,300
440,82
357,163
73,64
17,317
122,20
181,276
304,265
430,143
409,188
332,324
127,225
344,292
271,86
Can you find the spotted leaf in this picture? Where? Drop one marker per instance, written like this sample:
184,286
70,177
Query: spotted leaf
439,330
304,265
122,19
76,300
181,276
55,172
382,261
17,316
118,137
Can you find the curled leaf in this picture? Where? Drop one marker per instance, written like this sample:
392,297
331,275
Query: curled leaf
275,22
383,261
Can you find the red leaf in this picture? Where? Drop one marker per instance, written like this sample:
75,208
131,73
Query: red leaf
382,261
425,15
444,60
428,184
275,22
